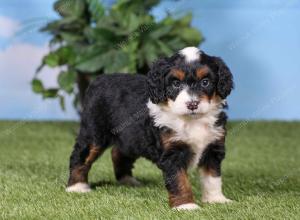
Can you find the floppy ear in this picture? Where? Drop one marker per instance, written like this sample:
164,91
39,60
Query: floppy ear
225,83
156,80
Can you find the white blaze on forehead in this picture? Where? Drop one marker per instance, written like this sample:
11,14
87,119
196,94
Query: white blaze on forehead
190,53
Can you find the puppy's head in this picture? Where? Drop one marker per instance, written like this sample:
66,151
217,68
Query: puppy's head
189,82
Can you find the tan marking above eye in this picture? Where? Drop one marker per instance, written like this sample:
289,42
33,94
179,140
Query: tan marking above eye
179,74
202,72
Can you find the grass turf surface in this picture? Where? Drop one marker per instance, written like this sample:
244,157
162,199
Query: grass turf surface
260,172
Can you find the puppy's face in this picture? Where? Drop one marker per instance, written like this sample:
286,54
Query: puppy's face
191,89
189,83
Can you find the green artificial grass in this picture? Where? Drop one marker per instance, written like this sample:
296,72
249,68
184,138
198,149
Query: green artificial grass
261,173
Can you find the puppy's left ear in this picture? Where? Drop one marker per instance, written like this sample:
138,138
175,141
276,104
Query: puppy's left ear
156,80
225,83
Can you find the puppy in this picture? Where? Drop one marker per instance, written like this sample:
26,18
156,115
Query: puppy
173,117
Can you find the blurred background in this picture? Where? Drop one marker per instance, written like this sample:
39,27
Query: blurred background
258,40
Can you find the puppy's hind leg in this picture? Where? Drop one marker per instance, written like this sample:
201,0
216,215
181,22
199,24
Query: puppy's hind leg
123,166
81,162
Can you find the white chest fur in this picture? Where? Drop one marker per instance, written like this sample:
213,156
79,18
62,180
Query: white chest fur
198,132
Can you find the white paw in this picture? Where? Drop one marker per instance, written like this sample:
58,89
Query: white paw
79,188
187,206
216,199
130,181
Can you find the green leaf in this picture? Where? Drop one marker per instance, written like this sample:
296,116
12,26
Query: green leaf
168,21
120,61
103,36
136,6
69,24
71,38
191,35
131,50
185,20
37,86
97,9
66,81
70,7
160,31
164,48
89,64
132,22
149,52
176,44
59,57
51,60
50,93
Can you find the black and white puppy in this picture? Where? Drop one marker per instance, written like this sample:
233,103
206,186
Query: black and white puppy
173,117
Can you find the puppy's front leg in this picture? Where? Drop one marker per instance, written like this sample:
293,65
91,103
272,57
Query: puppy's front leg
210,172
174,164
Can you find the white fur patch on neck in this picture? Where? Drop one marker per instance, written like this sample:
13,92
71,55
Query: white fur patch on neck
190,54
198,132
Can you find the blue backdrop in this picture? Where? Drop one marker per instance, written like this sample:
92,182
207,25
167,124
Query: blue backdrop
259,40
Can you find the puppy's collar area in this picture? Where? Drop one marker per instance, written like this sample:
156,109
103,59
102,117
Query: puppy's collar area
190,54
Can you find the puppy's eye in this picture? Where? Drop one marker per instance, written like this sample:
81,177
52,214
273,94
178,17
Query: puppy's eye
176,83
205,82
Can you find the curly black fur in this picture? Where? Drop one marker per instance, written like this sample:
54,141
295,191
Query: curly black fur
225,81
156,80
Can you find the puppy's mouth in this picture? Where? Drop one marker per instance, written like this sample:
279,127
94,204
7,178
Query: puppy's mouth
192,114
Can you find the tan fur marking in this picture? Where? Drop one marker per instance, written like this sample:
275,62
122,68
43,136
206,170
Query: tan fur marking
214,98
80,174
184,194
205,98
209,172
116,157
166,138
94,153
202,72
178,74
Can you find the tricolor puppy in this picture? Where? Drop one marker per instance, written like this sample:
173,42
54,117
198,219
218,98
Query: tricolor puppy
173,117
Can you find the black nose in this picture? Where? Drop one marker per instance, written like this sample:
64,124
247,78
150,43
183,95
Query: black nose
192,105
